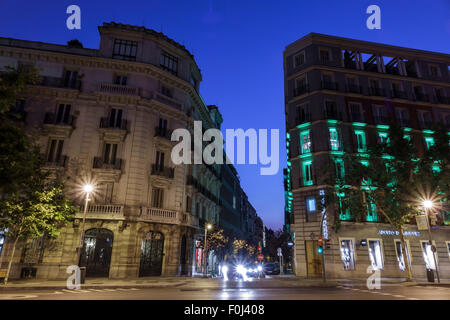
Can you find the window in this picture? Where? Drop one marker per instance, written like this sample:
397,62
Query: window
324,55
343,216
115,118
63,114
339,168
307,173
355,110
305,142
425,119
55,150
124,50
166,91
331,109
434,70
188,204
303,114
311,209
383,137
157,197
360,140
334,139
169,63
447,243
399,252
122,80
428,255
110,153
197,209
2,241
162,126
371,212
379,114
160,160
429,142
402,115
301,86
299,59
347,253
105,193
71,79
376,255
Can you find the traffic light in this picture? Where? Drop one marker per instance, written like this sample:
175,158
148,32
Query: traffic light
328,243
320,249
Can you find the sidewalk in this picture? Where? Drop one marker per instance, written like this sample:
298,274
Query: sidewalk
190,283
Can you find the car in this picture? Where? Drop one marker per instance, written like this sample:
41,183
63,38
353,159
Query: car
272,268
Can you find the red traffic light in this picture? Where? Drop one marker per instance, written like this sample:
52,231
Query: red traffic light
320,240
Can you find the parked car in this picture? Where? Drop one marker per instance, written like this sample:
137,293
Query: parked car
272,268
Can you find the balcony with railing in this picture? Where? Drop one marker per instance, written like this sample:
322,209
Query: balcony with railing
397,94
421,97
404,122
301,90
59,162
351,88
162,171
53,119
357,117
328,85
426,124
163,133
442,100
55,82
113,164
376,92
102,211
118,89
159,215
161,98
108,123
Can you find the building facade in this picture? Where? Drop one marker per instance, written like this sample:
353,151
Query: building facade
105,116
340,96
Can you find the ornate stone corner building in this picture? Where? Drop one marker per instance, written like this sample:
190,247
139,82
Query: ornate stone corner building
106,115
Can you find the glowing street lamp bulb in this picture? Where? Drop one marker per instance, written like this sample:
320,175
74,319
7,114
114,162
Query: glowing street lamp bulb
208,226
88,188
427,204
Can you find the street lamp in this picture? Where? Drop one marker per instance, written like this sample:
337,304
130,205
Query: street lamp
208,226
428,204
87,188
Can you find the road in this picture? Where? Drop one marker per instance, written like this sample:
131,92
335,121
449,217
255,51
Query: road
347,292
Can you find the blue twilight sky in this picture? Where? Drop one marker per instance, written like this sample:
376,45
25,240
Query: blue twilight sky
238,45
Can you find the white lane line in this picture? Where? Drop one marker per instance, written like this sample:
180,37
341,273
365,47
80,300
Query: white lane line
412,299
398,296
95,290
70,291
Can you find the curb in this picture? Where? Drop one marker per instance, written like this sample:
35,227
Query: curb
84,287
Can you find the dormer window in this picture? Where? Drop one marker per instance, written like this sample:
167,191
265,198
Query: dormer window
169,63
125,50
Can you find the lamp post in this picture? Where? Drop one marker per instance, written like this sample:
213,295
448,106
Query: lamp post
207,226
88,188
428,204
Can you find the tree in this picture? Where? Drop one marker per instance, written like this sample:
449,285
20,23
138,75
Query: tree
218,242
390,179
30,204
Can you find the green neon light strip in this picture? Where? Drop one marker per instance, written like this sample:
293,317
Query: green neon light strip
332,121
407,129
337,153
382,126
304,125
428,131
359,124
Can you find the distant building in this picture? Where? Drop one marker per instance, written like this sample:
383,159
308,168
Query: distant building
341,95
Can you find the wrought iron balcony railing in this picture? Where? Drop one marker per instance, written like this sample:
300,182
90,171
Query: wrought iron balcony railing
162,171
109,123
114,164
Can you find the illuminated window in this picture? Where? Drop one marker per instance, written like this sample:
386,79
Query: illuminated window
339,168
429,141
371,212
2,241
383,137
343,216
399,251
360,140
376,255
307,173
311,204
305,142
428,255
334,139
347,254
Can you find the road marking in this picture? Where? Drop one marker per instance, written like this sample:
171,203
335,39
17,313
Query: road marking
412,299
109,290
398,296
70,291
15,297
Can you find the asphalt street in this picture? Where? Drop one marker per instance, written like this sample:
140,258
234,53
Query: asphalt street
339,292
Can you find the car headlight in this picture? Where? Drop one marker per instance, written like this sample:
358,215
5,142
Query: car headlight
241,269
259,268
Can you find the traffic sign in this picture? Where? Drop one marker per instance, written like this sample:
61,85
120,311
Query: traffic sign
279,252
260,257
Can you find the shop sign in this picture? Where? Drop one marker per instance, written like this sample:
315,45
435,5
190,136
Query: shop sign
396,233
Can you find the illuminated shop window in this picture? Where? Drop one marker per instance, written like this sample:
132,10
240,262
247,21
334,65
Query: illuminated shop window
307,173
383,137
372,212
305,142
360,140
347,254
334,139
376,255
399,251
2,241
428,255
